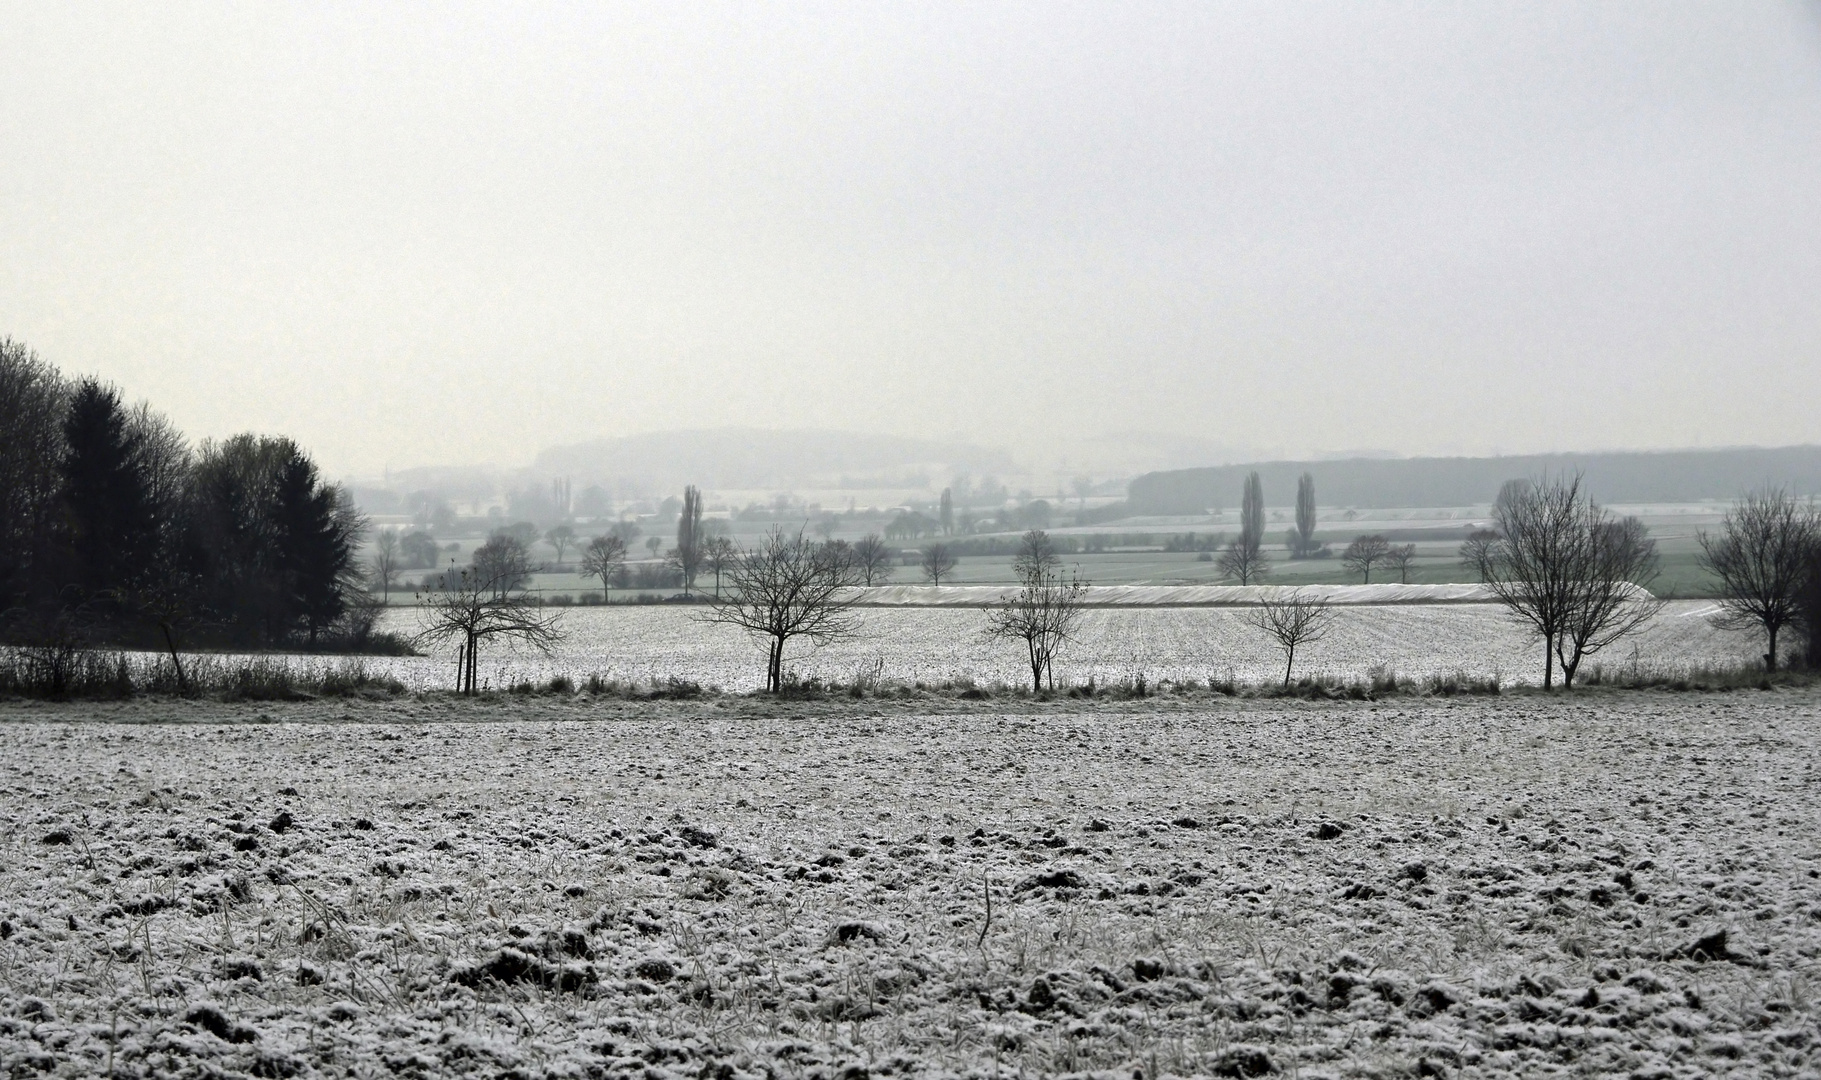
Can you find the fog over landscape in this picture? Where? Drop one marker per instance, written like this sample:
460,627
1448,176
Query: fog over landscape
827,541
409,240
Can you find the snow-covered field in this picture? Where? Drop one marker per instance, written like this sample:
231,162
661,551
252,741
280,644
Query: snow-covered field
1181,644
1606,884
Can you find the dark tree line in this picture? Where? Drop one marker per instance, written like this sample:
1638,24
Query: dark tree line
113,530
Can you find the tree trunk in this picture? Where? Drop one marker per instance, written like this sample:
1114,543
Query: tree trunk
1548,661
1289,662
170,642
1770,657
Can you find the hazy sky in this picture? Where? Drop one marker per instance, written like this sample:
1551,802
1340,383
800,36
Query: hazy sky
444,234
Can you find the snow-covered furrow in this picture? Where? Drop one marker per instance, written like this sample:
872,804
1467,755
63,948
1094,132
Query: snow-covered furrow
1606,885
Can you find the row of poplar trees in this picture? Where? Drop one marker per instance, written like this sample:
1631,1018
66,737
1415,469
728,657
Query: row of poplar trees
114,529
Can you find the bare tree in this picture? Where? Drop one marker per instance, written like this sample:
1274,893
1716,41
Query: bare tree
1082,486
1477,549
1617,560
872,559
945,512
1568,570
1401,557
385,562
504,562
654,544
483,602
1364,553
937,561
1245,556
1036,554
1760,558
1043,615
718,556
561,537
1293,623
602,558
786,588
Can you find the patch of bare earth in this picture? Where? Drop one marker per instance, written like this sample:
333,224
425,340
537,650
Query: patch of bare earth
1615,884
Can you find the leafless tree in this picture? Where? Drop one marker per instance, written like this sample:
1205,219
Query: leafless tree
1477,549
1036,554
483,602
1043,615
1401,557
719,555
938,560
385,562
504,563
602,558
1243,561
560,537
1364,553
1293,622
1617,561
1568,570
786,588
654,544
1082,486
1760,558
872,559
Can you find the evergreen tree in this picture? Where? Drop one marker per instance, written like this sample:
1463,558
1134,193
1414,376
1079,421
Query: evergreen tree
314,546
110,522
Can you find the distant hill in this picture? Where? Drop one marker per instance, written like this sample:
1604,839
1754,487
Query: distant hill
746,458
1634,477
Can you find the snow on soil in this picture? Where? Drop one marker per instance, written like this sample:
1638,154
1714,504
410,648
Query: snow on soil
1187,595
1614,884
907,644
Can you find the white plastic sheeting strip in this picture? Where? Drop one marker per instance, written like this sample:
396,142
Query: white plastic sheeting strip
1181,595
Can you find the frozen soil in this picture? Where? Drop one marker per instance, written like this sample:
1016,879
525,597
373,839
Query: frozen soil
1609,883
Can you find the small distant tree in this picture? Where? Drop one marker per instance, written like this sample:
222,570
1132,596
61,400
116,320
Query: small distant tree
1293,623
1245,556
603,558
1043,615
688,555
484,602
561,537
1400,558
627,531
1083,486
783,589
872,560
945,512
938,560
1364,553
1760,559
1035,556
504,562
654,544
1476,550
1302,539
825,528
385,562
718,556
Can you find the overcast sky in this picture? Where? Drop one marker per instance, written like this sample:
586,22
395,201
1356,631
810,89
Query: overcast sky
445,234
